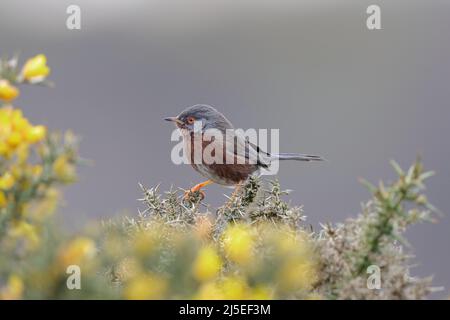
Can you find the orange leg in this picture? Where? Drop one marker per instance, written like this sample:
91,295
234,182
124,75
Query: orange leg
197,188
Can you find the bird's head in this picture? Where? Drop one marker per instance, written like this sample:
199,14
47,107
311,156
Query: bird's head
206,116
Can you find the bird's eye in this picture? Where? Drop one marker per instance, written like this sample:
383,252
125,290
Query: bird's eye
190,120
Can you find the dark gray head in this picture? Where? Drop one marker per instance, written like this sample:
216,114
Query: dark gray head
209,117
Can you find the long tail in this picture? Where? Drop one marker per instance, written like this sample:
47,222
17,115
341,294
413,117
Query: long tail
297,156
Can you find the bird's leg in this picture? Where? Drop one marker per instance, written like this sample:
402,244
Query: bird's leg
197,188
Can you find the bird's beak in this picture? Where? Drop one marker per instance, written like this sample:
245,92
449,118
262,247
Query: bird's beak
174,119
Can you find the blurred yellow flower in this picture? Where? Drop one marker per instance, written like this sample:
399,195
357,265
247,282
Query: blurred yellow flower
7,181
27,231
36,170
36,69
209,291
8,92
22,154
145,287
235,288
4,149
18,121
13,290
63,169
238,244
3,200
207,264
16,171
77,251
16,133
261,292
36,133
229,288
14,139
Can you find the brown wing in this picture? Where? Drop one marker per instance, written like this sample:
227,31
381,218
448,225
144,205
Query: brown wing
230,167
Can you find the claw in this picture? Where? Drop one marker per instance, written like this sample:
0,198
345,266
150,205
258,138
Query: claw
193,195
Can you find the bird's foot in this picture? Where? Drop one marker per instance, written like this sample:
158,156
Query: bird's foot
193,195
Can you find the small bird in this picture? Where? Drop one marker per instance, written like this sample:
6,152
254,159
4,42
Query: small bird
234,146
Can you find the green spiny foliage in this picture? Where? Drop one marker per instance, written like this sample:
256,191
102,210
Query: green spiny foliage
375,238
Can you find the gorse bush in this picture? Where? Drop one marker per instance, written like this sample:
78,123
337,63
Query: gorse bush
256,246
33,163
201,255
375,238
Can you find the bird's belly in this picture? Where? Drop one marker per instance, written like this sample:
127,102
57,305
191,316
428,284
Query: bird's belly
222,173
226,174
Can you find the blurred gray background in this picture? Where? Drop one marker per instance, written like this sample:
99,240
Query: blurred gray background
308,67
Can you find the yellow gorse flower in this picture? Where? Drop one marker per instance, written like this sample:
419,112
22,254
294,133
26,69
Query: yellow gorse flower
16,131
145,287
7,181
209,291
207,264
238,244
261,292
231,288
3,200
8,92
13,290
36,133
36,69
24,230
77,251
235,288
63,169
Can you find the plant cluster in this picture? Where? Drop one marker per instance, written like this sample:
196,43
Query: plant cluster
255,246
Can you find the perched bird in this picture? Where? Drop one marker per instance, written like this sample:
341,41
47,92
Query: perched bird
203,125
